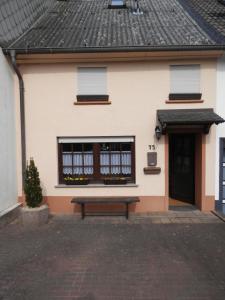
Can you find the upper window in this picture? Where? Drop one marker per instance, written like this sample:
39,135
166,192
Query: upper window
117,4
92,84
185,82
96,160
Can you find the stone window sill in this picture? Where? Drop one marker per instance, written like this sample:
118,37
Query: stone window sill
93,103
183,101
97,185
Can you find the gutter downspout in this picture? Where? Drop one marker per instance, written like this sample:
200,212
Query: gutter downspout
22,113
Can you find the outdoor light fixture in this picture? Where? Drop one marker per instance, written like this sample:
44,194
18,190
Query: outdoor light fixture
158,132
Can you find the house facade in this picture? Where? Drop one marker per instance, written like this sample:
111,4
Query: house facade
115,108
60,127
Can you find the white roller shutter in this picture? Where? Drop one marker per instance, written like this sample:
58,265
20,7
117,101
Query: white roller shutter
185,79
122,139
92,81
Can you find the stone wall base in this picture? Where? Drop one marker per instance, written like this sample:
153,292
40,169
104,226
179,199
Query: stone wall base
62,204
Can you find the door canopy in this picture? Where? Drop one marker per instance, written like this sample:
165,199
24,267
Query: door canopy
203,119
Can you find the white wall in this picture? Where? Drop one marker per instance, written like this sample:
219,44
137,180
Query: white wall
220,108
8,188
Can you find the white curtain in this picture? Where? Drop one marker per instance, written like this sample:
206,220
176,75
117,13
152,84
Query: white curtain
88,161
116,156
104,160
115,160
67,161
78,162
126,163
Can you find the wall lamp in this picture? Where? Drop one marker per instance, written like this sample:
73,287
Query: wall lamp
158,132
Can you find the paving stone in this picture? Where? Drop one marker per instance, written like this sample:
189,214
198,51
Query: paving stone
195,220
156,221
165,220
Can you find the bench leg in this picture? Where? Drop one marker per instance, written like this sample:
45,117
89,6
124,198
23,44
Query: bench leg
127,211
82,211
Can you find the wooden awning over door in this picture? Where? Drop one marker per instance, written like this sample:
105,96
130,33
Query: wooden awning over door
200,118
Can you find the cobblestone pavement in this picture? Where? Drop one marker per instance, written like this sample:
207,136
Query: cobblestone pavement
115,259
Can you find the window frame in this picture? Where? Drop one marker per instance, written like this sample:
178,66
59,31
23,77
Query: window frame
97,177
185,96
84,97
116,6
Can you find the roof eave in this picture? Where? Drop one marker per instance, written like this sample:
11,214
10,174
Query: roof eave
217,122
50,50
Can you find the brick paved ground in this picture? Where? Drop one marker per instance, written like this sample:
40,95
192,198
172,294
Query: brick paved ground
115,259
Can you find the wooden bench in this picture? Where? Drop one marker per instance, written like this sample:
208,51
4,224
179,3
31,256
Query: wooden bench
82,201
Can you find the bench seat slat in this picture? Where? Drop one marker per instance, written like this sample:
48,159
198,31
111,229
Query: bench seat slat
104,200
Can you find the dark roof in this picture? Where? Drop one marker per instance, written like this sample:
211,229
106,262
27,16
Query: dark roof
188,117
81,24
210,15
16,17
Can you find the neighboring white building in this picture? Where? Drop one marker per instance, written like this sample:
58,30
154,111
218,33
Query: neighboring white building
220,145
8,190
15,19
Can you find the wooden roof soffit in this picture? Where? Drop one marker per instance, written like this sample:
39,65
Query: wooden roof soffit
116,56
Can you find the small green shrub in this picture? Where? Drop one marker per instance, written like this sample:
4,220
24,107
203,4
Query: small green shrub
32,187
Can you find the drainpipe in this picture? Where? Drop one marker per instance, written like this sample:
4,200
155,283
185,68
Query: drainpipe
22,113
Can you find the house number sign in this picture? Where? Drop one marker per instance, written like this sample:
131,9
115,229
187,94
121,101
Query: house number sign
151,147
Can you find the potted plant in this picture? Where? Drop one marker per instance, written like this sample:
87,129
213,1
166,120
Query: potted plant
76,180
35,213
115,180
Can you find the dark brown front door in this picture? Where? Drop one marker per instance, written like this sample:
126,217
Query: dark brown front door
182,167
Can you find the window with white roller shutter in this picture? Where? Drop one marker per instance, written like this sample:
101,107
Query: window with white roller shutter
185,82
92,84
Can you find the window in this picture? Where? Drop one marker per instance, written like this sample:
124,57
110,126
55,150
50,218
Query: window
92,84
185,82
117,4
96,159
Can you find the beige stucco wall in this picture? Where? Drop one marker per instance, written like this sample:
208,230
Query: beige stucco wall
136,91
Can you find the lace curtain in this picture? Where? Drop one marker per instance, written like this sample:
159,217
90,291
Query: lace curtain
83,163
120,162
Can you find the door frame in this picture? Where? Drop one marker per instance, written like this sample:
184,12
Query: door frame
200,166
192,137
